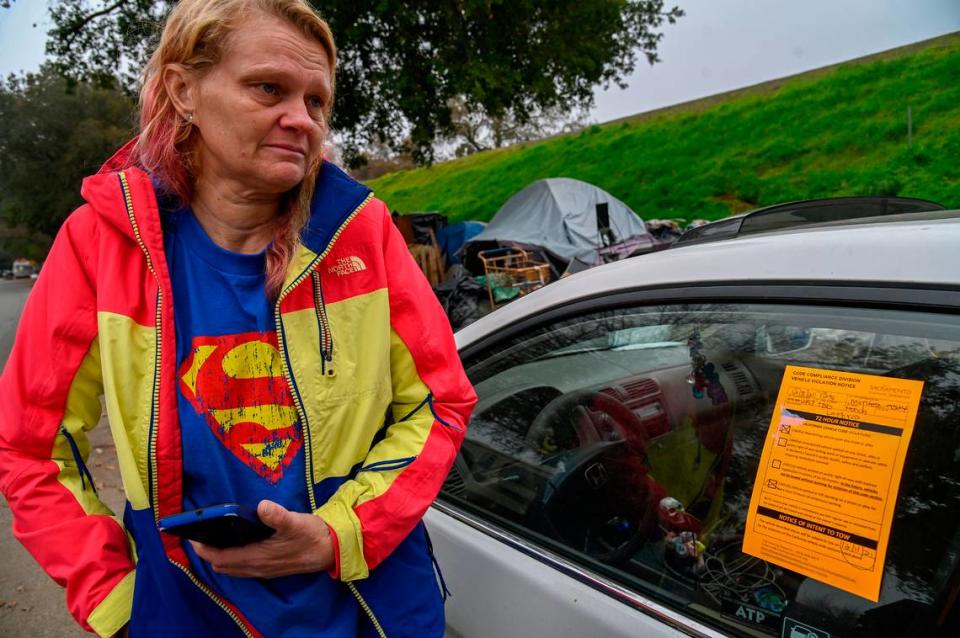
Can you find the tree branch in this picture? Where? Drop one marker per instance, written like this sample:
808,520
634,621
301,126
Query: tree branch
81,23
469,134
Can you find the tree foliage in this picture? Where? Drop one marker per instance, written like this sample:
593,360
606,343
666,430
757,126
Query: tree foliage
474,131
52,136
404,62
499,57
106,41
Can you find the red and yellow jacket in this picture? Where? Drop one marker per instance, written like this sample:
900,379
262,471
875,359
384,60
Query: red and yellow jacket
369,358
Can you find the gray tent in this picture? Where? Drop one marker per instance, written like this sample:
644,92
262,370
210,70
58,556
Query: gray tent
560,216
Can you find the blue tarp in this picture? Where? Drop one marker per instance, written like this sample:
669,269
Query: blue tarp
452,238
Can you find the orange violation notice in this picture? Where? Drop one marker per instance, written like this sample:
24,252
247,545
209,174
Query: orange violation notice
828,479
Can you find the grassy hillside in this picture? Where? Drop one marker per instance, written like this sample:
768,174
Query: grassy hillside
827,133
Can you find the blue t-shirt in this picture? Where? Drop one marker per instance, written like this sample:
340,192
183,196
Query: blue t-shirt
241,435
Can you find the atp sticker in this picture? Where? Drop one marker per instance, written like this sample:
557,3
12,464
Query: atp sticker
750,614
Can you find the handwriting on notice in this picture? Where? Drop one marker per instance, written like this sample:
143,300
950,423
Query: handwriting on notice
824,495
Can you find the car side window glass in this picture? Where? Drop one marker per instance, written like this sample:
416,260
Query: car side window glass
629,439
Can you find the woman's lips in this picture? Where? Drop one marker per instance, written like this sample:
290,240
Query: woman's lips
289,148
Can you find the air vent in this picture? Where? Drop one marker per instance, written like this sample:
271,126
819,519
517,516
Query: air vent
454,484
640,388
739,377
615,393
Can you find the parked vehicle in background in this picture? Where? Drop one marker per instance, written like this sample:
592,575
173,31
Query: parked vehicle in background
605,481
23,268
812,211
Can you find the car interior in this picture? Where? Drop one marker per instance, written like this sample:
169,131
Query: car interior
628,440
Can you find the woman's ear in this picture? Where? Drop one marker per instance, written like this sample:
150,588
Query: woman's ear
181,86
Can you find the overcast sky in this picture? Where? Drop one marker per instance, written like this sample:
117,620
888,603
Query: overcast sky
719,45
726,44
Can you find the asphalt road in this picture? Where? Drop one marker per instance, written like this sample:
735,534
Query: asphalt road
32,605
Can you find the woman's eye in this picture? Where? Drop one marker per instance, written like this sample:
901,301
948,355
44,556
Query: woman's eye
315,103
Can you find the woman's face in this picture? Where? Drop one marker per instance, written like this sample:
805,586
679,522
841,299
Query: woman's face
260,110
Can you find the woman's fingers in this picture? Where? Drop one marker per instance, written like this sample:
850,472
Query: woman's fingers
301,544
274,515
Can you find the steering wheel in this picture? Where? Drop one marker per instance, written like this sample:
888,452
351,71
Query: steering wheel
577,419
600,499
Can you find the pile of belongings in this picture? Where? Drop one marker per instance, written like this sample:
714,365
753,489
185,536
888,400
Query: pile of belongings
550,228
664,231
435,244
420,231
463,296
511,272
571,222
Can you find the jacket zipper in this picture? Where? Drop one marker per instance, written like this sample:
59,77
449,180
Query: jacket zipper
155,410
366,609
214,598
291,382
326,336
155,399
285,358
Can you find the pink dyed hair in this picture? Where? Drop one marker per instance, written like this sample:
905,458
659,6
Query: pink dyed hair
195,36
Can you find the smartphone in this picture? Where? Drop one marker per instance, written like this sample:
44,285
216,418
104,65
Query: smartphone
224,525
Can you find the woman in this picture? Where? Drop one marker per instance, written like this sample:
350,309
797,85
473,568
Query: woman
260,335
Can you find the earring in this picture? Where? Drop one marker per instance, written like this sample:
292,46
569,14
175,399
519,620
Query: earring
188,118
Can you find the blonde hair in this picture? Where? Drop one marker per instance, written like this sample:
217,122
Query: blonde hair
195,35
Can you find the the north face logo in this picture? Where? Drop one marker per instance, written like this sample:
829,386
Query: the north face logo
347,265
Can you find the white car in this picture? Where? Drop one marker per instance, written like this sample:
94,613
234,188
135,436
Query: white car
604,486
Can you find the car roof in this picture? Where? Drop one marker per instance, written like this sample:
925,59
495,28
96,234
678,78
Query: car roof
810,211
923,251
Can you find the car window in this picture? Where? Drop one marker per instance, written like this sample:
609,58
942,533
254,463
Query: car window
629,440
789,215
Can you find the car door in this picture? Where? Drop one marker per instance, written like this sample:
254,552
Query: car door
607,475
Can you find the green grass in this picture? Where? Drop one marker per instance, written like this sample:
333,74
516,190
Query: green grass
843,132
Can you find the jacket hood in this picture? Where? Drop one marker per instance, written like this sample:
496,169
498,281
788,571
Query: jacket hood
121,183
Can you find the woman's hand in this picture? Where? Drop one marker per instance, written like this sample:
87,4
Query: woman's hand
301,545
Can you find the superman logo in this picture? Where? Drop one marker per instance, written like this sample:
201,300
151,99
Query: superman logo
236,383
